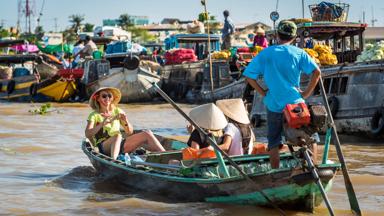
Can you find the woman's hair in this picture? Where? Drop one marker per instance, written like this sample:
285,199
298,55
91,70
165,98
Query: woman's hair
246,133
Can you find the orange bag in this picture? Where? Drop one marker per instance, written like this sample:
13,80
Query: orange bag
189,153
192,154
259,148
206,153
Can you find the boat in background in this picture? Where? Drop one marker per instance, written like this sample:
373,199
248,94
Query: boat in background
126,75
16,87
190,80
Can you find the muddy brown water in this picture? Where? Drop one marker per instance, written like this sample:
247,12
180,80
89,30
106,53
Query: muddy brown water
44,172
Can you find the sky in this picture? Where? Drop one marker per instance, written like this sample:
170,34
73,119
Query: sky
241,11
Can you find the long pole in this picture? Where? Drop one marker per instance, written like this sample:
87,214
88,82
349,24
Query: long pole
354,203
209,44
315,175
302,7
212,142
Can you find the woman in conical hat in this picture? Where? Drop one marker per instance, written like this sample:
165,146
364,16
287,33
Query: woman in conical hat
238,135
211,119
103,127
260,39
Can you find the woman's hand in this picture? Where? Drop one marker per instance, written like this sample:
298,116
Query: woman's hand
190,128
107,119
123,118
126,125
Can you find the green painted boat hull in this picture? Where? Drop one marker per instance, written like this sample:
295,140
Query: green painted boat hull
290,187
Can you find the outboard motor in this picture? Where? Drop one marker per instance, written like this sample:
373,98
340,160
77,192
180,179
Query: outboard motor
302,121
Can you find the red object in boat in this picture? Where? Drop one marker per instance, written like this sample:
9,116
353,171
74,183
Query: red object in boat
297,115
71,73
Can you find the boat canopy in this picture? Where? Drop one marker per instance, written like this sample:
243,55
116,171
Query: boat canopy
51,49
18,59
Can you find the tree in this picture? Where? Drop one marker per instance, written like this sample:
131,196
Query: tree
141,35
4,32
125,21
88,27
76,20
39,32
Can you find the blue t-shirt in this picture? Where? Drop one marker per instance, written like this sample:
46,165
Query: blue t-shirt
281,67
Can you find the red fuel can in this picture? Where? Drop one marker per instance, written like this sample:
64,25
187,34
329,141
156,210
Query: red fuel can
297,115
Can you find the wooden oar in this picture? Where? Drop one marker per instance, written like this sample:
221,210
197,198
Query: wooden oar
212,142
347,181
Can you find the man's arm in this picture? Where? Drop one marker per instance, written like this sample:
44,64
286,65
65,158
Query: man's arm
312,83
257,87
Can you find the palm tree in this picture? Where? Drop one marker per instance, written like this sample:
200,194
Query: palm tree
88,27
76,20
125,21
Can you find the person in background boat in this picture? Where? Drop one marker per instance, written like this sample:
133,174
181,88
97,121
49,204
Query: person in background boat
238,135
79,45
210,118
281,66
227,31
260,39
103,128
88,49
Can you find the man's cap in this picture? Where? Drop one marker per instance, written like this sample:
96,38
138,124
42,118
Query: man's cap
288,28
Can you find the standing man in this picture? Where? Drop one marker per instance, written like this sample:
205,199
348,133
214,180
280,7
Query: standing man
88,49
281,66
227,31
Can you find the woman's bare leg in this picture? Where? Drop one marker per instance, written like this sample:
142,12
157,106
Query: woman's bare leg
146,137
111,146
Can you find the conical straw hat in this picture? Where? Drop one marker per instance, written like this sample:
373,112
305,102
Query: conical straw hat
234,109
116,96
208,116
260,30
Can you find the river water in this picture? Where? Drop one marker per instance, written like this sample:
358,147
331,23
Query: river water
44,172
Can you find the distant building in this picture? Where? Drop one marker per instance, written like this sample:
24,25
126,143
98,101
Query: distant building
139,20
111,22
372,34
171,21
135,20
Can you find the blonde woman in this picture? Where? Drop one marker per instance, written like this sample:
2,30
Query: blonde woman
104,122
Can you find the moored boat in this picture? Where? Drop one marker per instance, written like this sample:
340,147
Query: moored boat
291,186
130,78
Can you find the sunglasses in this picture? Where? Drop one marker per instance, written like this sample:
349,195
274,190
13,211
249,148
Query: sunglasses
109,95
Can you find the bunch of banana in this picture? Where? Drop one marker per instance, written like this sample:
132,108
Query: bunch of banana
255,50
225,54
322,54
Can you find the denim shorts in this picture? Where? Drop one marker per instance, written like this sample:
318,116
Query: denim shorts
275,129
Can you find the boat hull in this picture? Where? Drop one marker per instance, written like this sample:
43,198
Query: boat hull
17,89
133,84
280,186
53,89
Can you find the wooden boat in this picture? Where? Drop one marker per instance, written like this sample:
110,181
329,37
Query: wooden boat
191,81
129,78
291,186
17,88
30,85
56,89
